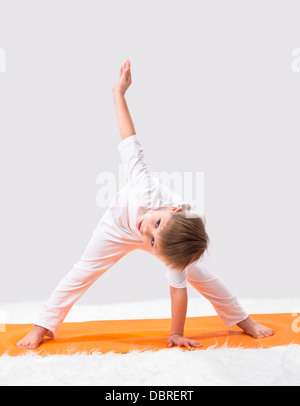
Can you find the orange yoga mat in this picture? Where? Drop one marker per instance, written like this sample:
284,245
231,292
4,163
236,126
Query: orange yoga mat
123,336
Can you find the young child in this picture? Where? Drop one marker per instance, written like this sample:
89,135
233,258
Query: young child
148,216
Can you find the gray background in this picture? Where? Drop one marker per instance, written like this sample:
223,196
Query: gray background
213,90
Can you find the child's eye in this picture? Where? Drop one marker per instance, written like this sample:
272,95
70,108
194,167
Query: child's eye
157,224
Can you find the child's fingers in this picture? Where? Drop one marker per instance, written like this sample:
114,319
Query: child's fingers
183,342
170,343
125,69
194,343
127,66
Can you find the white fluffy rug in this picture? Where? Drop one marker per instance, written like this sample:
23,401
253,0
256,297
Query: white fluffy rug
229,367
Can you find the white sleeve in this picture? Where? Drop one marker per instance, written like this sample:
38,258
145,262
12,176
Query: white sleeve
135,166
177,279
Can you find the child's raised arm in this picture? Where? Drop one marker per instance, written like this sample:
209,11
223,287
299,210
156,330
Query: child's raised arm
125,122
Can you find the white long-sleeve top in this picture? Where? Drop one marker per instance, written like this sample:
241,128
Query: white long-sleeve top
143,193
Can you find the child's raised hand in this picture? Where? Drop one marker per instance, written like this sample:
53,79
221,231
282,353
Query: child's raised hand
124,80
179,340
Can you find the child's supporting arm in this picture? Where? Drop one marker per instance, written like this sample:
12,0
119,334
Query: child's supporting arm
125,122
179,300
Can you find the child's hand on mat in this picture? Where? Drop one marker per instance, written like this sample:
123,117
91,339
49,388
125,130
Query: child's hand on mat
33,339
124,80
179,340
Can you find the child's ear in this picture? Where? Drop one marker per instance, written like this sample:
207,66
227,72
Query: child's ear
174,209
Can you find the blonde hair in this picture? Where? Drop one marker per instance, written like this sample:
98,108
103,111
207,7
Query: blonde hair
183,241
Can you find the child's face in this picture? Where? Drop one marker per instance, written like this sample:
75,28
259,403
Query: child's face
151,224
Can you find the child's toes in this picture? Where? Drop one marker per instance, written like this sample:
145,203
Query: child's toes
26,344
20,344
268,332
32,347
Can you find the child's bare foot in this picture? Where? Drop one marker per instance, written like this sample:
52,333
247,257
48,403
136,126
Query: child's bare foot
33,339
255,329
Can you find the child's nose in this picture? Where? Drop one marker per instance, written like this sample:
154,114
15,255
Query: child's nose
147,229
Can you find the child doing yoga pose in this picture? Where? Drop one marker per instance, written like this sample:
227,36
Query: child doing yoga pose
145,215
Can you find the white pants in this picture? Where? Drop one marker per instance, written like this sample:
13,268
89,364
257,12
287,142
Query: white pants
102,252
